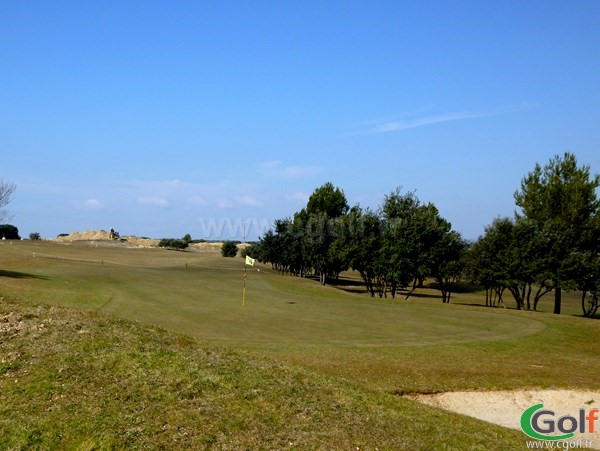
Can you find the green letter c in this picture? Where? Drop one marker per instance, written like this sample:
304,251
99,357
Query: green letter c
527,428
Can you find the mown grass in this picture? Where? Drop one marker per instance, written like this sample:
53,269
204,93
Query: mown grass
563,355
76,380
300,366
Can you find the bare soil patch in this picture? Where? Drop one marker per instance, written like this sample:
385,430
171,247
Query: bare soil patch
102,237
214,247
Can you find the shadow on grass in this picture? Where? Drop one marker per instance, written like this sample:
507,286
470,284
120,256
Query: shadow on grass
349,285
348,282
20,275
482,304
415,294
459,287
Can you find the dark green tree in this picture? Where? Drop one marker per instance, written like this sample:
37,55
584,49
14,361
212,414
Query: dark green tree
316,224
447,262
588,282
412,240
173,243
9,232
359,242
560,201
229,249
401,242
329,200
511,256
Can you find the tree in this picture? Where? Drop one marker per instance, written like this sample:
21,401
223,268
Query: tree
486,260
413,238
229,249
316,224
35,236
282,247
447,262
173,243
187,238
561,203
360,241
587,271
6,191
329,200
401,240
509,256
588,282
390,248
9,232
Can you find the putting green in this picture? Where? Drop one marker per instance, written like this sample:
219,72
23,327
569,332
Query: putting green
273,315
201,295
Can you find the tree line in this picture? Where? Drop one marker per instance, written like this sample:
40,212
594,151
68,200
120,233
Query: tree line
394,248
552,243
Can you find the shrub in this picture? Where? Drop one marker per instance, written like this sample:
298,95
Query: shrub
35,236
172,243
229,249
250,251
10,232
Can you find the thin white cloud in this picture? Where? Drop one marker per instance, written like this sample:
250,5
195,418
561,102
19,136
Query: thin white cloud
300,171
421,122
224,204
274,164
224,194
278,169
153,201
93,204
198,201
299,197
394,126
248,201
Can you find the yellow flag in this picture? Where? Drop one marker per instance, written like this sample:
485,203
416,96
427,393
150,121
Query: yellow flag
249,261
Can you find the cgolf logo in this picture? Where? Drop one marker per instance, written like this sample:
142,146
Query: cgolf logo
541,424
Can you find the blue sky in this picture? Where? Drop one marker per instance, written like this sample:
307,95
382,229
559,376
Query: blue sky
166,118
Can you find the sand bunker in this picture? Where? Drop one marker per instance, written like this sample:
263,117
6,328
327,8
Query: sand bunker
505,407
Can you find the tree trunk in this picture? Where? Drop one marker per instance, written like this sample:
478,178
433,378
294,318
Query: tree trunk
516,292
445,298
591,306
557,299
414,287
540,292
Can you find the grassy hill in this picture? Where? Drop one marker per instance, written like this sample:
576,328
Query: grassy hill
160,353
73,379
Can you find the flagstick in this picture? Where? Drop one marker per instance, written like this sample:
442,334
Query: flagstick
245,274
244,294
